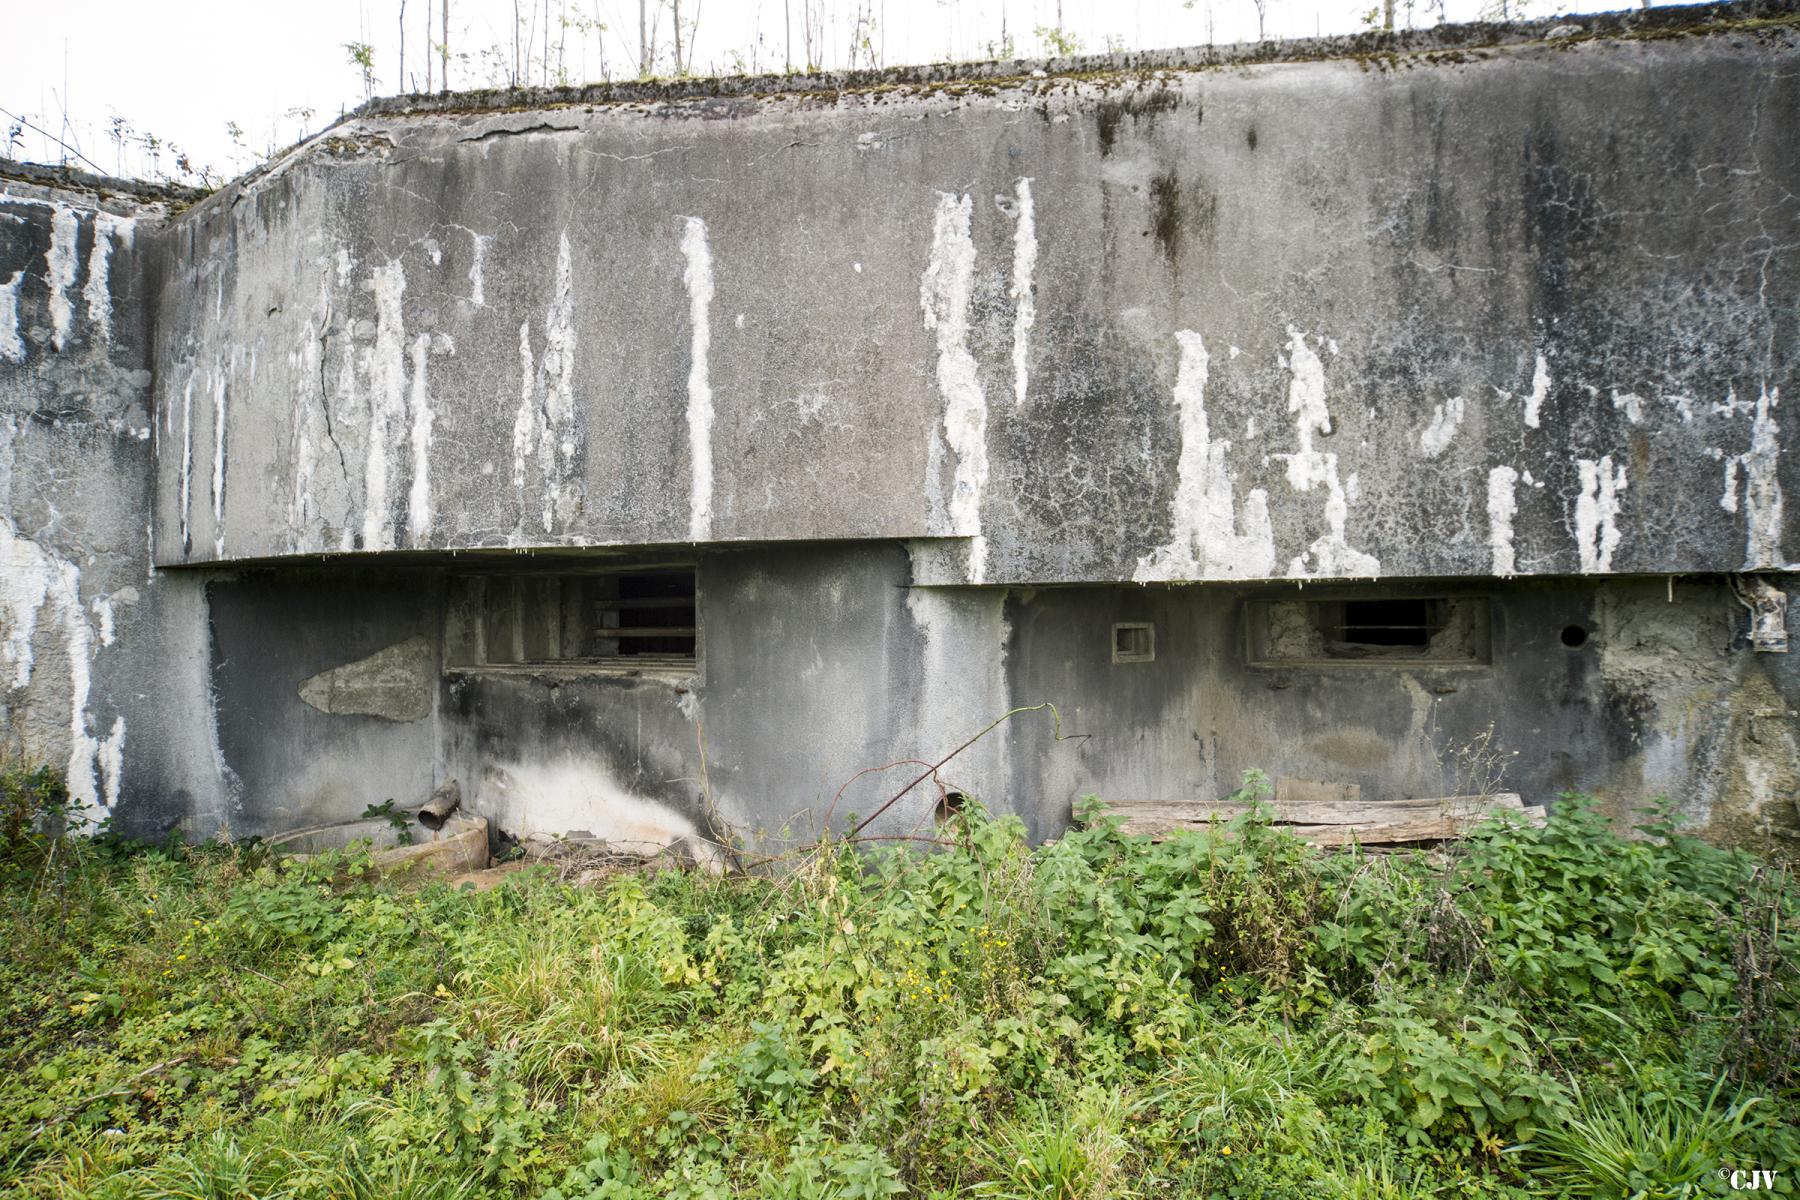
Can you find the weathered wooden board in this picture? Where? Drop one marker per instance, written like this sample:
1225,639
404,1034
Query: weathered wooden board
1320,812
1332,822
1290,789
1401,831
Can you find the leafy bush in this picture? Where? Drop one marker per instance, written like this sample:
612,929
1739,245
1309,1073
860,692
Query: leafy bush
1575,913
1438,1075
34,807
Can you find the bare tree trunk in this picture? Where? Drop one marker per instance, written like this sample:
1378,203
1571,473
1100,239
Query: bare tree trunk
401,82
600,40
676,6
643,39
787,29
1387,15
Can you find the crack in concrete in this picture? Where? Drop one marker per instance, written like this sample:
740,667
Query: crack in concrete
540,127
325,406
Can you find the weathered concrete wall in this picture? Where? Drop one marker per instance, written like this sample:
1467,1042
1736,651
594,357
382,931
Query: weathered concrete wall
1663,698
1516,309
103,661
819,661
326,690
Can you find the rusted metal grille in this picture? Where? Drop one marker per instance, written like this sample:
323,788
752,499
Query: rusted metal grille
646,616
1383,622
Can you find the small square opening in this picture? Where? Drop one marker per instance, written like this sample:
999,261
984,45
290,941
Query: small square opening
1133,642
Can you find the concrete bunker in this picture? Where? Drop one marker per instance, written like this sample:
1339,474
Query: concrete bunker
652,477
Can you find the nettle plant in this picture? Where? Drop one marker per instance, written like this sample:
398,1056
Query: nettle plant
1572,912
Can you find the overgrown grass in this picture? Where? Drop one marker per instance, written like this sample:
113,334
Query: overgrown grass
1546,1011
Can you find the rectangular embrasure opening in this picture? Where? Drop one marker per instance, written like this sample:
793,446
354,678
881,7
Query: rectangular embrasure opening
641,619
1376,629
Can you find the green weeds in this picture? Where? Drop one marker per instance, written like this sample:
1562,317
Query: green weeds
1229,1013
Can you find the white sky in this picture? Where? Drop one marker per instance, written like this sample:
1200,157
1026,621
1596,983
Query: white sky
183,72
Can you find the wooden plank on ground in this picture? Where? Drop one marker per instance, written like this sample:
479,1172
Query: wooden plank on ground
1329,823
1315,791
1319,812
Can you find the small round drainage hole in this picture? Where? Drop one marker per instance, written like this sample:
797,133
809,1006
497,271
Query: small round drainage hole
1574,635
950,805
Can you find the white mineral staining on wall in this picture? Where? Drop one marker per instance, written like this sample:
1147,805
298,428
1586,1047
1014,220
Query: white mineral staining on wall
1025,252
1597,512
345,404
1330,554
102,608
62,264
218,464
477,263
944,292
1306,400
1502,506
25,576
309,425
12,346
387,405
40,597
59,265
697,276
525,420
547,431
187,461
1206,541
562,425
97,292
1759,467
1446,418
418,497
1629,403
1540,390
